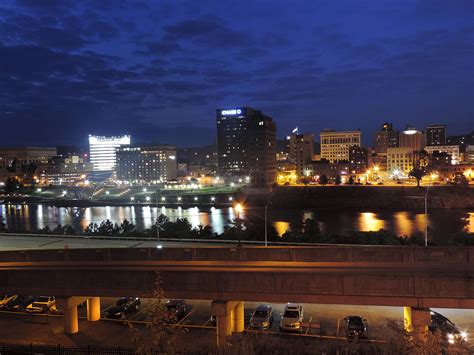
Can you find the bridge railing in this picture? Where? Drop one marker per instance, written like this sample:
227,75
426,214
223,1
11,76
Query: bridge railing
218,250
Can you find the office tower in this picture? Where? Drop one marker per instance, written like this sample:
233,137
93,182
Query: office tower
102,151
335,145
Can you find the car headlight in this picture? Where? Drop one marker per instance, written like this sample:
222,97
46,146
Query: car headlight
450,336
464,335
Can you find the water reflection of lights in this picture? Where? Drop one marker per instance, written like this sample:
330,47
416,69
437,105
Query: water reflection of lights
281,227
403,223
368,222
470,226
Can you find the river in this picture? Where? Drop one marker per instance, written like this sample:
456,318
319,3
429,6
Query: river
442,223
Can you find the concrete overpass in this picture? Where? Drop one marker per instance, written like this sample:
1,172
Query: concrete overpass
413,277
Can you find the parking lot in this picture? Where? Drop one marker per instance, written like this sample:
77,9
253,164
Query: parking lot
320,321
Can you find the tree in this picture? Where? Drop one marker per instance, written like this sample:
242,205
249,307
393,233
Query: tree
158,336
127,228
12,185
418,172
338,180
323,180
3,226
351,180
460,179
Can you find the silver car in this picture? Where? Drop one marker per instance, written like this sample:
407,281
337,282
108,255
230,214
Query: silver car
262,317
292,318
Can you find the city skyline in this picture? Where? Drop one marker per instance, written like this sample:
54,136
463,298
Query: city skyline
158,71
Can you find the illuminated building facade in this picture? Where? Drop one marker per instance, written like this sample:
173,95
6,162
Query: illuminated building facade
103,151
435,135
301,150
146,164
335,146
246,145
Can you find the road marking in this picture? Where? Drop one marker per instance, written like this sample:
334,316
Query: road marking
208,321
307,329
135,245
184,318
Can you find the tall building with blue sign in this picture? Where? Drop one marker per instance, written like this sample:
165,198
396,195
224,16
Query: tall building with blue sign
246,145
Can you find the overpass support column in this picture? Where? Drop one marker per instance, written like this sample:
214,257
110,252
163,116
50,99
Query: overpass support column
71,323
239,317
93,309
416,321
226,321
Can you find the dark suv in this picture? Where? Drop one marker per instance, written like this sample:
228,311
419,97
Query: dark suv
123,306
356,327
175,310
448,329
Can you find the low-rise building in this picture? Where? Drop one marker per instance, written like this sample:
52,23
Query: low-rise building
63,170
400,161
452,150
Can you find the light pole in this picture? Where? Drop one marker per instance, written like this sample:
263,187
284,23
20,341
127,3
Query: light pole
238,209
266,218
426,215
157,219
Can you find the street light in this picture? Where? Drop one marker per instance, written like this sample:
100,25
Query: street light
266,218
426,215
238,208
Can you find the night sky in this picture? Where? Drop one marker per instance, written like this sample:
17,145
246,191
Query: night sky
158,69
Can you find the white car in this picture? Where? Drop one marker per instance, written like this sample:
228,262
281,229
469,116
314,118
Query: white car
42,305
292,318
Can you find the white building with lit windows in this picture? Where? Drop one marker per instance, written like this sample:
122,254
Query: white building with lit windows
102,151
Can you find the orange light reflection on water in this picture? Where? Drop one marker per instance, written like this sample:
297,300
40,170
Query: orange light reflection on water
368,222
281,227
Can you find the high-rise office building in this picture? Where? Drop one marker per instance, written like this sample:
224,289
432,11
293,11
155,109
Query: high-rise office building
402,159
146,164
358,156
385,138
435,135
103,151
301,148
246,145
335,145
411,138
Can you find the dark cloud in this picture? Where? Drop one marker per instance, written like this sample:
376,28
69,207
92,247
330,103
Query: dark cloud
68,68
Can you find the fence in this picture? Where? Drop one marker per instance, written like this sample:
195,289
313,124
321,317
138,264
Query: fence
7,349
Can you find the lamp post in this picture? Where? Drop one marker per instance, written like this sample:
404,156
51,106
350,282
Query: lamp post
266,218
157,219
238,209
426,215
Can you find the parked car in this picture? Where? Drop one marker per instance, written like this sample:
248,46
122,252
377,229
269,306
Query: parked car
42,305
356,327
175,310
449,330
19,303
262,317
5,299
122,307
292,318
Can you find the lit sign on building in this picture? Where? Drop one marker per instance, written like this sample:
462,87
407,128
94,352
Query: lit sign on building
231,112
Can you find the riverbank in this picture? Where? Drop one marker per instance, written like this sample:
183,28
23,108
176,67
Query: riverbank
286,197
378,197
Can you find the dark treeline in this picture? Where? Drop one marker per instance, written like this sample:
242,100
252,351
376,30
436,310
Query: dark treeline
252,229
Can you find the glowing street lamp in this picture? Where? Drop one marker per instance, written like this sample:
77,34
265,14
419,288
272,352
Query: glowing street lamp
148,198
213,198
